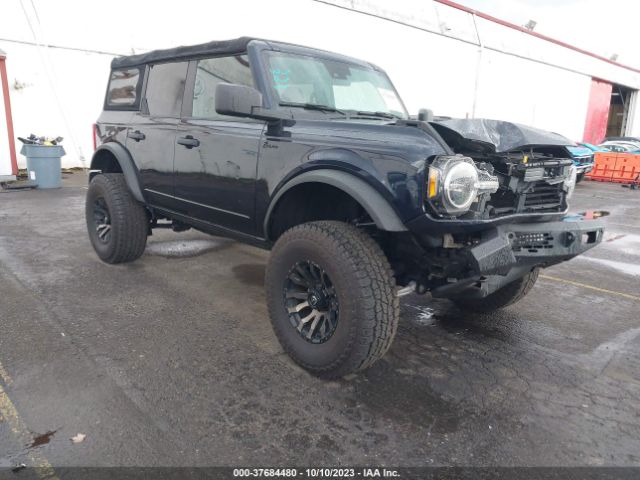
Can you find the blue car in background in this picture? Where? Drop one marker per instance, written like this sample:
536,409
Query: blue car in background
582,154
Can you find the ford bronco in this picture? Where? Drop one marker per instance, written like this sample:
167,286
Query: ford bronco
313,155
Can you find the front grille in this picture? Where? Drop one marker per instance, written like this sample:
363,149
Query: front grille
537,197
542,197
584,159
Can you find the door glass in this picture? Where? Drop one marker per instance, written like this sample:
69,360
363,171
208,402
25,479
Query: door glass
212,71
165,89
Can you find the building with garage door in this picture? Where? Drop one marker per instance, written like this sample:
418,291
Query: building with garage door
440,55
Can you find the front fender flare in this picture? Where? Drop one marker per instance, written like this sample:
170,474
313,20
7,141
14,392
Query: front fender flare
127,166
378,208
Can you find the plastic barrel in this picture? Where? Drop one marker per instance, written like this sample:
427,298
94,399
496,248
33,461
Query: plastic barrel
44,164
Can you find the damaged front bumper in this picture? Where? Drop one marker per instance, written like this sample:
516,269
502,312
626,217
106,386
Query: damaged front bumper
507,252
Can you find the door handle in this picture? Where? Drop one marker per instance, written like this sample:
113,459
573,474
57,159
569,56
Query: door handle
189,141
137,135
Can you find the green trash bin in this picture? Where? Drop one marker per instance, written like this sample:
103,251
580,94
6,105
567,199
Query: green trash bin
44,164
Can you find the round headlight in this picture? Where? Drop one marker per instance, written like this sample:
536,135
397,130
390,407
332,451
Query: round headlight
460,186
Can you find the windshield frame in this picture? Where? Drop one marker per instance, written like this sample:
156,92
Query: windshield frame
299,111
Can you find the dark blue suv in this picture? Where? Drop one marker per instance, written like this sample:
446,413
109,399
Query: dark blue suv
313,155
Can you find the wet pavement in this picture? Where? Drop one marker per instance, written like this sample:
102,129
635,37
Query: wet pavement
171,360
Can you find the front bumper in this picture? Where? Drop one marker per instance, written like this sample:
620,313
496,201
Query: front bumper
542,244
509,251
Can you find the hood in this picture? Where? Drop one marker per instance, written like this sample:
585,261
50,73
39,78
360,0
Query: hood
494,136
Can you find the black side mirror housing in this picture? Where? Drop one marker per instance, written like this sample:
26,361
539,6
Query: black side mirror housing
241,101
425,115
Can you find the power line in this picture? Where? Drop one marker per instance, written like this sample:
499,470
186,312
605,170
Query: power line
61,47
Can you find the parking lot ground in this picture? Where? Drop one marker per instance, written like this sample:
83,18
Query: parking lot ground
171,360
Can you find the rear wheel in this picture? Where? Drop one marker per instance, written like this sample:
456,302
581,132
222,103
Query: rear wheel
116,222
503,297
331,297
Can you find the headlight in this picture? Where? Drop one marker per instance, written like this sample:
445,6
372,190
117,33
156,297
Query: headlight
455,182
570,183
460,186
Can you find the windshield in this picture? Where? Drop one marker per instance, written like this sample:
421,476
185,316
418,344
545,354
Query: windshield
300,80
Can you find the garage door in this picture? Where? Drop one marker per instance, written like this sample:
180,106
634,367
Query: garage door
595,128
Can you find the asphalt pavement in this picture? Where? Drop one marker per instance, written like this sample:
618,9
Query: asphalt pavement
171,360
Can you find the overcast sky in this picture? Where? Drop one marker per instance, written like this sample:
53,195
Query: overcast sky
601,26
605,27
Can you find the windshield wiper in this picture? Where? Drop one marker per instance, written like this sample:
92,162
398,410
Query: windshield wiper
378,114
312,106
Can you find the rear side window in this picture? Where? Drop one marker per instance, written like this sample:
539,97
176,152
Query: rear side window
165,88
123,92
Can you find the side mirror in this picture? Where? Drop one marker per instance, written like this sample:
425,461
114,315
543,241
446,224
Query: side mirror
425,115
240,101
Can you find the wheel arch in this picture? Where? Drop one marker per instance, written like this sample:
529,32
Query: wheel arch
372,202
112,157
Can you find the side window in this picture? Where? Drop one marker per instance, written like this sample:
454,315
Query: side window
165,88
212,71
123,92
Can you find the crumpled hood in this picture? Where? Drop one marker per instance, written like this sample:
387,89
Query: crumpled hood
495,136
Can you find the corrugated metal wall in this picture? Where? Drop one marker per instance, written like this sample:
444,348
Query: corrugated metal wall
439,57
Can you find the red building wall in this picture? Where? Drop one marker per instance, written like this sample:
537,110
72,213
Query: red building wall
595,128
4,87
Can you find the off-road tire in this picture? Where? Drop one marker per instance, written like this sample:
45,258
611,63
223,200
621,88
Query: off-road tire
365,289
128,219
503,297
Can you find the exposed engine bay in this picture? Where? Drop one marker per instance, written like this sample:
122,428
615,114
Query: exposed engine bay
529,182
524,169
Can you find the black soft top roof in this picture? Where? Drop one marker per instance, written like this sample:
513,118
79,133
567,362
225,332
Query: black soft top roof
237,45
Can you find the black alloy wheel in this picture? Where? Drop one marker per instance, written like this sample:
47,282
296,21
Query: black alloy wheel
102,220
311,301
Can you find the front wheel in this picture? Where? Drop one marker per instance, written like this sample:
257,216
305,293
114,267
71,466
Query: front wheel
580,177
503,297
331,296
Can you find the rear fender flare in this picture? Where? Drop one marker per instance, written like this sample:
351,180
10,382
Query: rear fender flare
127,165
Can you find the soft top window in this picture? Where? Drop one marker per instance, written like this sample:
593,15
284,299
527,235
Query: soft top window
123,92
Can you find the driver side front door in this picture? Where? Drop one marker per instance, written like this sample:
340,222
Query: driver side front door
216,156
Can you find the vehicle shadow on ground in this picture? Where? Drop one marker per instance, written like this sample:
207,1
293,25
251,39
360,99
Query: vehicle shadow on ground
436,367
250,273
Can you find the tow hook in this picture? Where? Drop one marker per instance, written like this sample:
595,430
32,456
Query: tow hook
569,238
